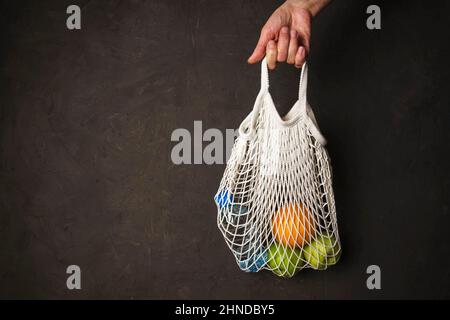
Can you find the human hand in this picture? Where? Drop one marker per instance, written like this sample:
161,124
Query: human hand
286,35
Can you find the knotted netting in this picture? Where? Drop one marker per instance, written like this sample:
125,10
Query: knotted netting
275,202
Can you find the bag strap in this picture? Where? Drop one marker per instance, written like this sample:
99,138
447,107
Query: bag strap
264,75
252,118
303,84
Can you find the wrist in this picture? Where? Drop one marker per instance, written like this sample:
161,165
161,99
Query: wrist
312,6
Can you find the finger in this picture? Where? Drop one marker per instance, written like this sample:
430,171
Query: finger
304,36
300,57
283,43
266,35
293,47
302,24
271,54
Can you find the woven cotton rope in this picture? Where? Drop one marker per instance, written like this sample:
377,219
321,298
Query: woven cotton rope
275,202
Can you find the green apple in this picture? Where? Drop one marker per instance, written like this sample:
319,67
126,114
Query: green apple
322,252
284,261
333,249
315,255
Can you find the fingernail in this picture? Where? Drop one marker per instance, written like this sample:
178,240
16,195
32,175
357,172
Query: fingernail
302,51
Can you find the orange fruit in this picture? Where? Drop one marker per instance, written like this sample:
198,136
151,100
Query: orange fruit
293,225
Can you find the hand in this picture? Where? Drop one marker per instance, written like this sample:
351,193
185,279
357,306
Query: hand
286,35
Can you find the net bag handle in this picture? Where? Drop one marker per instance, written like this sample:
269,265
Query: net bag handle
248,126
303,84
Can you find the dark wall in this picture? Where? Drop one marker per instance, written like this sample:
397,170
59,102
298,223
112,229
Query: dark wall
86,118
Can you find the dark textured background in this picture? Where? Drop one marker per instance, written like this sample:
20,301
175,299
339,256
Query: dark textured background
86,118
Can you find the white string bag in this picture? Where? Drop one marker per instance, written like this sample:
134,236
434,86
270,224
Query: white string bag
275,202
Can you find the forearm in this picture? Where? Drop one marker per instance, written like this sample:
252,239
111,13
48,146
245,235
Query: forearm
313,6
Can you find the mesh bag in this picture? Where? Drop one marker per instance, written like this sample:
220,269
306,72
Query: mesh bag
275,202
